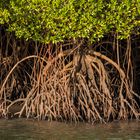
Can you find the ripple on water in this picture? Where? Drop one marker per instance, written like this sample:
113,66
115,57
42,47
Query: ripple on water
21,129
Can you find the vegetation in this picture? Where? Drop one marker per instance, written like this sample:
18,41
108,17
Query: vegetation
69,59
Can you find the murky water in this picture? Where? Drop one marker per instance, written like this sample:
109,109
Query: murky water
21,129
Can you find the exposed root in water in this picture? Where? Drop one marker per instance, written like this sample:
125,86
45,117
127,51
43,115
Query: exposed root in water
74,85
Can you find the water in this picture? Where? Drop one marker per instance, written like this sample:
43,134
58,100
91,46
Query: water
21,129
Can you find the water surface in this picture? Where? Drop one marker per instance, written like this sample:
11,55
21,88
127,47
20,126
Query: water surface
21,129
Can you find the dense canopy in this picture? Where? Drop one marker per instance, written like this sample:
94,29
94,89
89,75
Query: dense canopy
56,20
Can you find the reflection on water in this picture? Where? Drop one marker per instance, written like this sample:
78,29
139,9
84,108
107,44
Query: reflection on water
21,129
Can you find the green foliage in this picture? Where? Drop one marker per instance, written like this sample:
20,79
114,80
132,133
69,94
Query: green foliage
123,16
56,20
4,13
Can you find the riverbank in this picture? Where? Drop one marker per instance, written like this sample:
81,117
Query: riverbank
70,61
